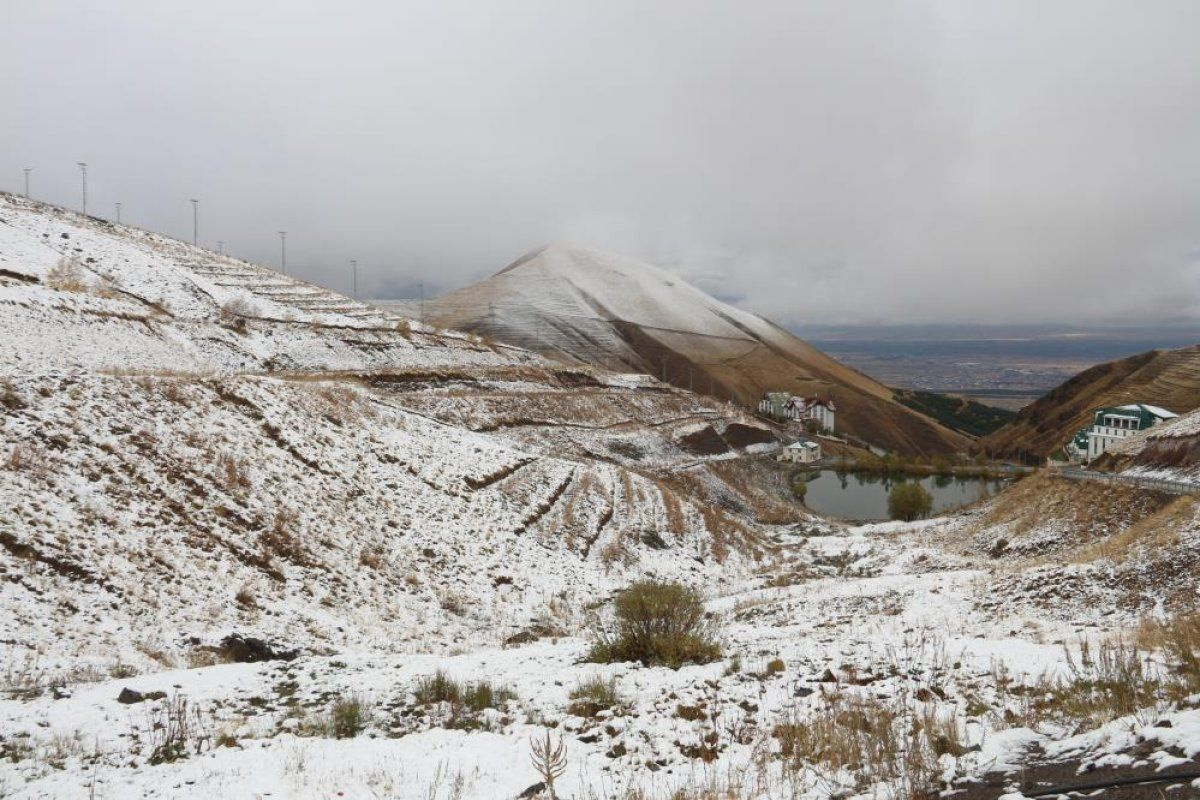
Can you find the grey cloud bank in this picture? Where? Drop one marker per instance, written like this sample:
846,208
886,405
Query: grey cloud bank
820,162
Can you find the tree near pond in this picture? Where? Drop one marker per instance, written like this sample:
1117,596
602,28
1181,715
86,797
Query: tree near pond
800,489
909,501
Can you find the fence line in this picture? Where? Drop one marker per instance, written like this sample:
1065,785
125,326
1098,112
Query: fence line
1155,484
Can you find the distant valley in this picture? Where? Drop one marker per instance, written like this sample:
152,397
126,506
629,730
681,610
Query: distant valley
1006,366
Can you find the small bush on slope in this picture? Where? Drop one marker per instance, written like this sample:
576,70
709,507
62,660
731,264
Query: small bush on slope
438,688
658,624
478,696
346,718
592,696
441,688
67,276
9,397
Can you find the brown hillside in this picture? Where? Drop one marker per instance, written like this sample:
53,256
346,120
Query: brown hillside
595,308
1167,378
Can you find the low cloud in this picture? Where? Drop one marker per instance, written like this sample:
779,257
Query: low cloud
819,162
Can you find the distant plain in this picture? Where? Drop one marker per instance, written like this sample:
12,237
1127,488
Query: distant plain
1007,366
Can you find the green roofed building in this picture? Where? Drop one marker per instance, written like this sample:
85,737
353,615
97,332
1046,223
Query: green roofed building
1113,423
1077,448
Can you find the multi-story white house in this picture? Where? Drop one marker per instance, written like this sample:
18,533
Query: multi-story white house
1111,424
782,405
805,451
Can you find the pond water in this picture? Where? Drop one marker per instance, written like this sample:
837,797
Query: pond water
854,496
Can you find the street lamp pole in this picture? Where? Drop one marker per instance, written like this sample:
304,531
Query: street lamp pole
221,247
195,221
354,268
27,171
118,205
83,174
283,250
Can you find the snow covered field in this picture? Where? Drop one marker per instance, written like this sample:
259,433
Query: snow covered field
883,621
258,540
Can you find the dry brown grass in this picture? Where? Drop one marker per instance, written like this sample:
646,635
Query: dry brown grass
24,457
1158,669
875,739
1158,531
673,510
283,538
245,598
591,696
67,275
371,557
232,474
1088,511
10,398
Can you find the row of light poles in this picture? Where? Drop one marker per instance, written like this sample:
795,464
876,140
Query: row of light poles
195,224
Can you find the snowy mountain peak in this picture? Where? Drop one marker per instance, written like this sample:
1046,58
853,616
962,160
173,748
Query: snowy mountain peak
583,305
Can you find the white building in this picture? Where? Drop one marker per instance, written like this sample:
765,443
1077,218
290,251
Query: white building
805,451
1112,424
782,405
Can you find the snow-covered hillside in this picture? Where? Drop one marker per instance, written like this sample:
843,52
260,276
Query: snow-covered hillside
583,306
352,476
78,293
332,517
869,663
246,523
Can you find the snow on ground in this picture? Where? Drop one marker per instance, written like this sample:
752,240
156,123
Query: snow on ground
202,461
853,630
78,293
343,519
1169,451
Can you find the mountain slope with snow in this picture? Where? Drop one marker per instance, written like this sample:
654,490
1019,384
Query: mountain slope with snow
589,307
332,516
1167,378
170,414
82,294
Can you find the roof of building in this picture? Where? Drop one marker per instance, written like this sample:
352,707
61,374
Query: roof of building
1140,410
806,402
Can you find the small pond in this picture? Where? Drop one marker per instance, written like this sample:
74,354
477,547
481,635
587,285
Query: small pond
865,496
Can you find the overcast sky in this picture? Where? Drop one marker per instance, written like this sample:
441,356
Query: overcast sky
831,162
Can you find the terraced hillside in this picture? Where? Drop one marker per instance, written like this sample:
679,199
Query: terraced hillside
170,415
1166,378
82,294
330,514
587,307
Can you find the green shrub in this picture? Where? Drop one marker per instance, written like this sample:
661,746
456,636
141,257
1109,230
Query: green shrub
800,489
909,501
438,688
348,717
592,696
658,624
478,696
441,688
